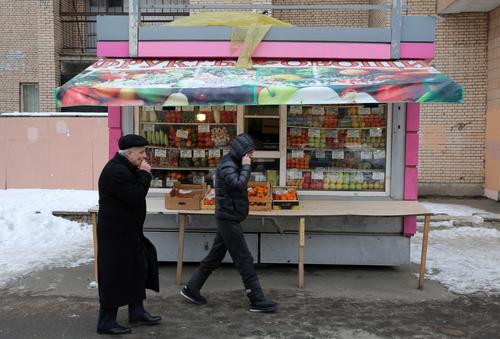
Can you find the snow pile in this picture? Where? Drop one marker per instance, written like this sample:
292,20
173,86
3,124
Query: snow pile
452,209
31,238
464,259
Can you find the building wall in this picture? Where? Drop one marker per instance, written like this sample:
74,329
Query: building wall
28,51
492,154
52,152
452,136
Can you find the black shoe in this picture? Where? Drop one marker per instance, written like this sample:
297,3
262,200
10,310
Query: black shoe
145,319
193,295
116,330
263,306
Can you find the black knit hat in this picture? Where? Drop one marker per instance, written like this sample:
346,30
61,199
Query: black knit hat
131,140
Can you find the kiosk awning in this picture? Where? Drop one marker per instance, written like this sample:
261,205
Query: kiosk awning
148,82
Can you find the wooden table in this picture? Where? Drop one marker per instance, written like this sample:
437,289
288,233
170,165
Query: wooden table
308,208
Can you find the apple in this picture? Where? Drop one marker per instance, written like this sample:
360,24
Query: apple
313,95
275,95
176,99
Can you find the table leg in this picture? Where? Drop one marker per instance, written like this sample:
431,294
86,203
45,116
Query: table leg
302,231
423,258
93,219
180,252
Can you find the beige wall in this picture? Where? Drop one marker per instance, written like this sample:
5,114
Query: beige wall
451,158
52,152
29,51
492,161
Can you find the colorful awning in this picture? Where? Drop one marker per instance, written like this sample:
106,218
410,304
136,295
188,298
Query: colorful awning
148,82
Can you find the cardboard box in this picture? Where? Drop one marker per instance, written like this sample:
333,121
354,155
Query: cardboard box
260,203
285,204
185,197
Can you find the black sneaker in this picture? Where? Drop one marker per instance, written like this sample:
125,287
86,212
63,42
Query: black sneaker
263,306
193,295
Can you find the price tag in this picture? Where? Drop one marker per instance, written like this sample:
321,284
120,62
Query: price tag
365,155
158,108
353,133
186,153
180,133
204,128
378,110
320,154
188,108
295,109
337,155
170,182
317,174
214,153
359,177
378,154
375,132
364,110
334,176
318,110
332,133
295,132
294,174
198,153
313,132
148,127
230,108
205,108
379,176
297,154
225,151
217,108
332,110
160,153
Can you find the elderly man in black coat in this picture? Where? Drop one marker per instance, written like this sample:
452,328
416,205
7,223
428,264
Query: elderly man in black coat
231,209
127,260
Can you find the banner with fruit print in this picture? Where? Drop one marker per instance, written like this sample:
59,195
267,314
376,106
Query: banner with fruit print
148,82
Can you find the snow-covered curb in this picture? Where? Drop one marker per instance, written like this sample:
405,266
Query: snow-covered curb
31,238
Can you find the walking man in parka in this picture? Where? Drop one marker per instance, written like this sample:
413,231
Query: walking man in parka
231,209
127,260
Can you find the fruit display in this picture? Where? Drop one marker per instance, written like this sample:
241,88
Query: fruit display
339,181
220,136
336,147
285,193
259,196
208,202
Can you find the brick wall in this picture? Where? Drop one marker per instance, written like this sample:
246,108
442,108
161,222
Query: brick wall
492,154
28,51
452,136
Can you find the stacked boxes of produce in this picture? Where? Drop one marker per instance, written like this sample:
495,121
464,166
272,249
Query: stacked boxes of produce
341,148
285,198
259,196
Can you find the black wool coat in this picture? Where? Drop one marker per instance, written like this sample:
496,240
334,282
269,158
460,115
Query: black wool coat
127,259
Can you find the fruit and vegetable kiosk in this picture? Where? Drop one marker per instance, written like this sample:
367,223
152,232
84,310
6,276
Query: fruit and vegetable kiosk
333,124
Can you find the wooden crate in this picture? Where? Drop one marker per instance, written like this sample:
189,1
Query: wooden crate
287,204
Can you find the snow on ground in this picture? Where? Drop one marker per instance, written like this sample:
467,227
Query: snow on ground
31,238
464,259
452,209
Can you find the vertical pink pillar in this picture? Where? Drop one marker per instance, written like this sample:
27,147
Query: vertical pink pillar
411,163
115,129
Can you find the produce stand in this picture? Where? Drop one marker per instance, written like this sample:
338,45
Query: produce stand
333,112
308,209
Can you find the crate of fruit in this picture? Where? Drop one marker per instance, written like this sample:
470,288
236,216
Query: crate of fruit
259,196
208,202
285,198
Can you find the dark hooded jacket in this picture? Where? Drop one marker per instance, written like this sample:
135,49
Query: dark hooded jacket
231,181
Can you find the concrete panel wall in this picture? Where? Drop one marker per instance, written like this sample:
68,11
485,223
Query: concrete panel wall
52,152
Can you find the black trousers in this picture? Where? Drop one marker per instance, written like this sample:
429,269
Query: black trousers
229,238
